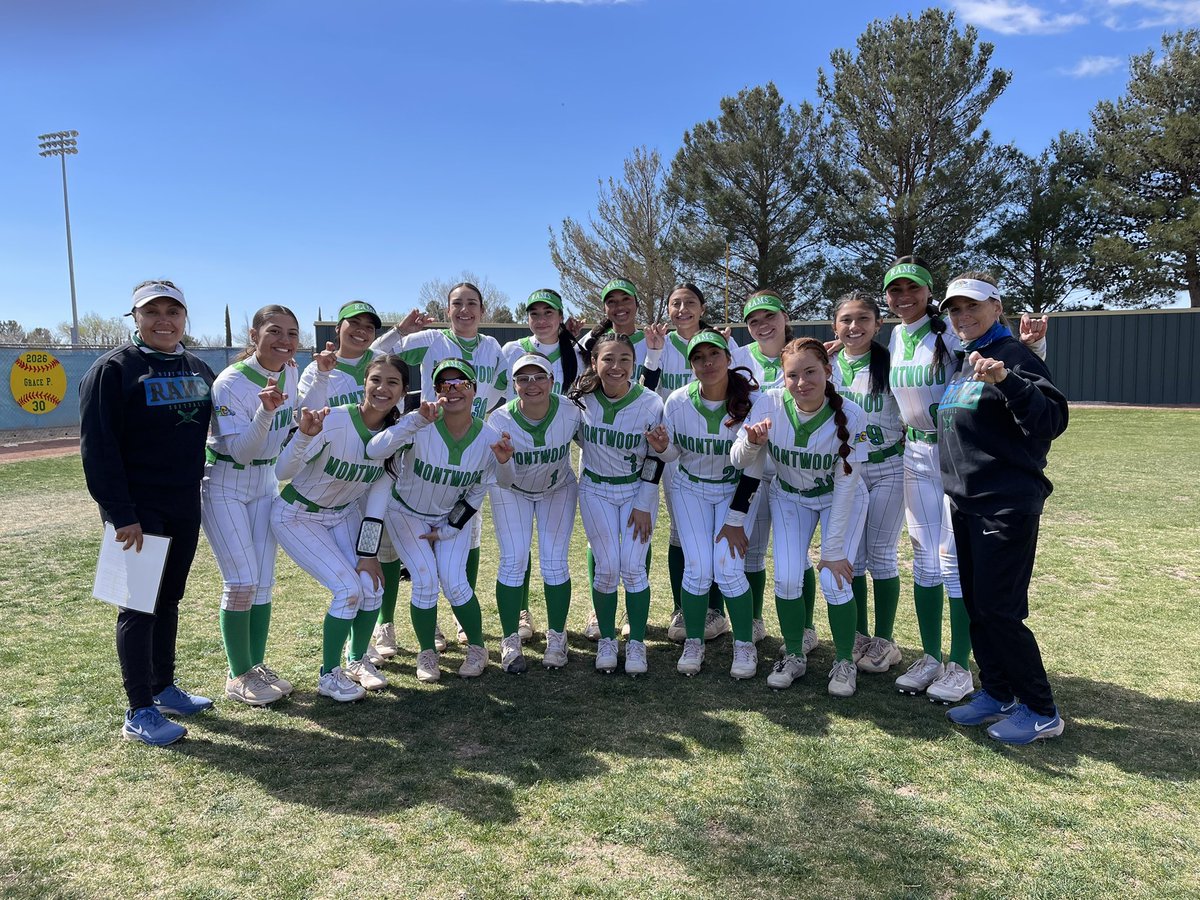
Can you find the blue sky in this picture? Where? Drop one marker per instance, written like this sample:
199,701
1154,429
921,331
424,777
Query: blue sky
305,153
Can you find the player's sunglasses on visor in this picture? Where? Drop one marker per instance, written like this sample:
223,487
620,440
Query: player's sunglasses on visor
456,384
540,378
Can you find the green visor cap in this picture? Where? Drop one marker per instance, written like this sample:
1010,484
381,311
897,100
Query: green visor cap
706,337
550,298
619,284
768,302
911,271
358,307
460,365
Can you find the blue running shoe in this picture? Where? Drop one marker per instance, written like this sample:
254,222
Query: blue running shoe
1025,726
178,702
981,708
148,726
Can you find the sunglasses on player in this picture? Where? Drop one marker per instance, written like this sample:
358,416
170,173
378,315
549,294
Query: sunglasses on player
453,384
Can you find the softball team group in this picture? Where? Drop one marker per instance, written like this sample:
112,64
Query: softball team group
947,430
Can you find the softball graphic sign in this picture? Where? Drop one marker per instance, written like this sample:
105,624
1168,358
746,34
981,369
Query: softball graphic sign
38,382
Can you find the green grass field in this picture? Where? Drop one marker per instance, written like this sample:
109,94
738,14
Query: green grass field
571,783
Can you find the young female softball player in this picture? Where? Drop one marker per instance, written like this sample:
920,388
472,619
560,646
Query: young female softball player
541,426
442,475
995,424
255,402
701,421
817,441
766,320
318,521
860,373
144,415
618,492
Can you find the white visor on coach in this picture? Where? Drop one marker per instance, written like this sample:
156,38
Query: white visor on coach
533,359
972,289
156,289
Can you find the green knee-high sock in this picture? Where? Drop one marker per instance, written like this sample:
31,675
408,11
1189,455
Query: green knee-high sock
758,590
929,603
859,587
470,619
508,602
361,628
637,611
472,567
791,623
716,600
424,623
606,612
391,588
675,573
808,593
887,598
960,633
235,632
694,608
336,632
741,616
558,604
260,627
525,584
842,618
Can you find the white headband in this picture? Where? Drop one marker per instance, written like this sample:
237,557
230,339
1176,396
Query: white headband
971,288
155,289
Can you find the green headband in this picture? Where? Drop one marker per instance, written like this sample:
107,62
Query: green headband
550,298
706,337
619,284
911,271
460,364
358,307
763,301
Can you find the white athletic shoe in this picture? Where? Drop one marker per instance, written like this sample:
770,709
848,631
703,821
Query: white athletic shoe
512,660
881,655
954,685
920,675
439,639
526,627
677,630
249,688
364,672
715,624
606,654
268,675
428,669
787,669
337,686
843,678
555,656
384,640
810,642
691,660
475,662
373,655
635,658
591,630
861,643
759,631
745,660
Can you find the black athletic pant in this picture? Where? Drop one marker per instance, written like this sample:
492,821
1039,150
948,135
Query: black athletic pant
146,643
995,564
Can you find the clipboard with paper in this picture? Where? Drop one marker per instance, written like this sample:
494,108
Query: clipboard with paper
127,578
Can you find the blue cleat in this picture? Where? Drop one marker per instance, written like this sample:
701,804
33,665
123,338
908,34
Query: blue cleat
981,708
178,702
1025,726
148,726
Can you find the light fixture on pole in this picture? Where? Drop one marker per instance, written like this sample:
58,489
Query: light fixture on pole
62,145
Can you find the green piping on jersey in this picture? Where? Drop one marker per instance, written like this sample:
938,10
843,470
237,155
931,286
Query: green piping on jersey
359,425
680,344
805,430
610,408
770,366
466,345
527,346
714,417
851,367
455,448
538,431
358,370
911,341
255,377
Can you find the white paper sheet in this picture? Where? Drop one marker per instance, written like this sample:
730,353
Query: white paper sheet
128,578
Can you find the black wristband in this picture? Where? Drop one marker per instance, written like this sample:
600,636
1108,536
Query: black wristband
651,377
370,533
460,514
744,493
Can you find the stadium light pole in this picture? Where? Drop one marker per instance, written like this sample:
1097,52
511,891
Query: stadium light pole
62,145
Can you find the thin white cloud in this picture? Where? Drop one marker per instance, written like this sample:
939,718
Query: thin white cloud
1007,17
1128,15
1091,66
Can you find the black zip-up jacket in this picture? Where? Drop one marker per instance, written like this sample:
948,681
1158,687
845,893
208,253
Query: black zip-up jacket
993,438
143,422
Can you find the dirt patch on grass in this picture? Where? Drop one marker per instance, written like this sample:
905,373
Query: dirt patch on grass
38,450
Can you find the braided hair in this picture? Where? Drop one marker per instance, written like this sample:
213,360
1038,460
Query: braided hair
881,357
809,344
589,381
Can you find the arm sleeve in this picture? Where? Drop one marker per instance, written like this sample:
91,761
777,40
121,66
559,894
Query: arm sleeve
313,389
102,419
1039,408
388,341
377,498
844,488
743,496
396,437
745,455
249,444
299,450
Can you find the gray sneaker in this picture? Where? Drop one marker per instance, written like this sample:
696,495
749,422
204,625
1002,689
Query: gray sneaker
759,631
512,660
691,660
954,685
677,630
881,655
606,654
745,660
861,643
526,628
787,669
428,670
268,675
555,656
920,675
843,678
591,630
475,662
715,624
810,641
249,688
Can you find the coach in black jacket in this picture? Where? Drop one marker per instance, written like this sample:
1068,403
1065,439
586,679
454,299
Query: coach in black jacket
995,424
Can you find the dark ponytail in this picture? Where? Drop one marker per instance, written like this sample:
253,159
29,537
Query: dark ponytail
590,379
880,364
737,395
568,355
